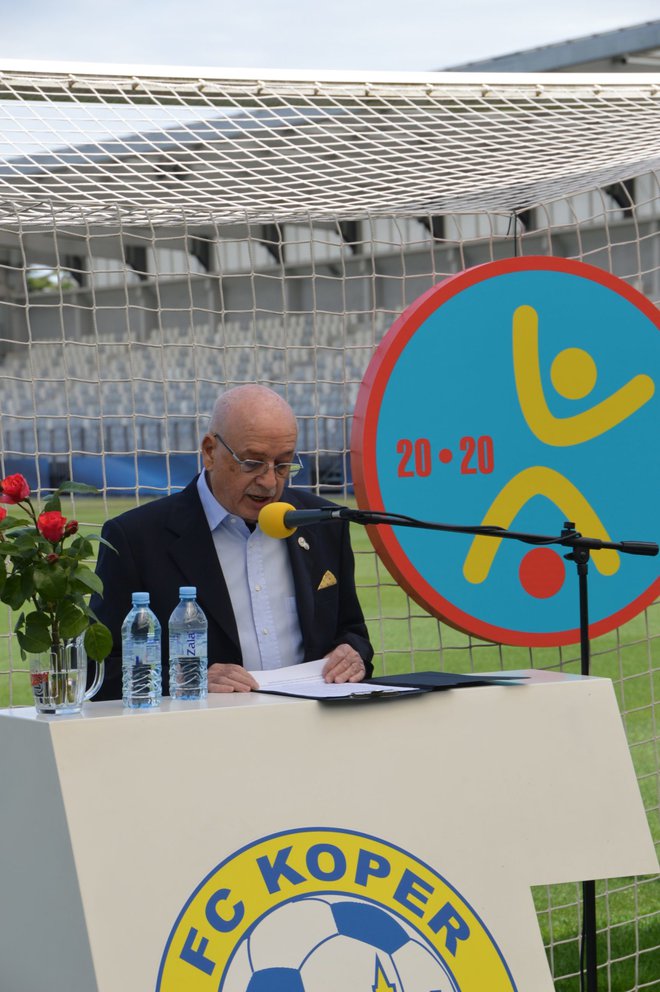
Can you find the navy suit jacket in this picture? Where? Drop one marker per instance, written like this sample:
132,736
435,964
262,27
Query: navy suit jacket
166,544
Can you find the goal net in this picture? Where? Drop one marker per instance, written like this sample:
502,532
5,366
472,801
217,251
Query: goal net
164,235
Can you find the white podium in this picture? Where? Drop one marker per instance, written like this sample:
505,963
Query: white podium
200,845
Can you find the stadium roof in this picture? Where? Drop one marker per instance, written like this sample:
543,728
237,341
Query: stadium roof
631,49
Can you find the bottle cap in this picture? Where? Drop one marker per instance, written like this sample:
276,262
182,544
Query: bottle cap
140,598
187,592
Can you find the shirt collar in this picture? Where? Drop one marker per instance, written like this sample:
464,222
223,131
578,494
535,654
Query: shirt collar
215,512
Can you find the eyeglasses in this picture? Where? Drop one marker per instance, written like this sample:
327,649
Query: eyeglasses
283,470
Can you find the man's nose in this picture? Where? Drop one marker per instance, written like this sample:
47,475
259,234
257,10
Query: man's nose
268,471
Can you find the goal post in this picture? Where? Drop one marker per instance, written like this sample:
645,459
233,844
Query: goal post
166,233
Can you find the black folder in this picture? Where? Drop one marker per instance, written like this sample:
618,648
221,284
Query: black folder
446,680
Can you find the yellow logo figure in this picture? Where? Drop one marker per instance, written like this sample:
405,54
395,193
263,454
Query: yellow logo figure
536,481
573,375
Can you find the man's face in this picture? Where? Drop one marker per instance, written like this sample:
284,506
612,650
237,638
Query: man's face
268,436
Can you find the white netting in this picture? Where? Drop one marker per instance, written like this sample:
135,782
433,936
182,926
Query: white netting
163,237
224,150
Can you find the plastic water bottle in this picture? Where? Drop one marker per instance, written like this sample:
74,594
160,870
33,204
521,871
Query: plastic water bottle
141,658
188,632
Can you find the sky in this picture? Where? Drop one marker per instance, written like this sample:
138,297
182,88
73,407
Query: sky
381,35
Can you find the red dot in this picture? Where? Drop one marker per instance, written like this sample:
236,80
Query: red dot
445,456
542,573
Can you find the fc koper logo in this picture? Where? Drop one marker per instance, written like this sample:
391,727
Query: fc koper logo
323,910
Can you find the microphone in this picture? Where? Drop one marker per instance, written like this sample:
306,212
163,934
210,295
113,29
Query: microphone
282,519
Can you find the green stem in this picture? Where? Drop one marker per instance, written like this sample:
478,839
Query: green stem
55,630
29,509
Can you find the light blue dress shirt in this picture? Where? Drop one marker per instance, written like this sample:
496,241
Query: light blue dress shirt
257,571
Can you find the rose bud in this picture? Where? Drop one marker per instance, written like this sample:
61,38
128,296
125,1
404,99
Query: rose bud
71,528
52,557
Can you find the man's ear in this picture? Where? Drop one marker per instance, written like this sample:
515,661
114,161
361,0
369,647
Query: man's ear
208,450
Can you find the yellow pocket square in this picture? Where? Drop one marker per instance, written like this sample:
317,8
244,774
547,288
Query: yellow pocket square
327,580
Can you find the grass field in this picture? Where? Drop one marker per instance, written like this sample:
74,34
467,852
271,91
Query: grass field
404,635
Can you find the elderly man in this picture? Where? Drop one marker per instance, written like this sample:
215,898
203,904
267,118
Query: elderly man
268,602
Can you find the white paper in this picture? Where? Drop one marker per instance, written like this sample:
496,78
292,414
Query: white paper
307,680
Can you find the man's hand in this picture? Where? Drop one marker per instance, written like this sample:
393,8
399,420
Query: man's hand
230,678
344,664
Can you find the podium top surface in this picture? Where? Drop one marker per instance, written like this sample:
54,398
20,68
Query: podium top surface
91,711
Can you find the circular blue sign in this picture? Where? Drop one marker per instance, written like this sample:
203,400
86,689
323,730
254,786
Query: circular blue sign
523,394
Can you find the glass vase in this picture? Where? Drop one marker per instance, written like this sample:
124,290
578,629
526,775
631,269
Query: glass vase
59,677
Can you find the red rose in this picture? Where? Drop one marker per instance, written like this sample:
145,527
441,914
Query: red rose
51,525
71,528
14,489
3,513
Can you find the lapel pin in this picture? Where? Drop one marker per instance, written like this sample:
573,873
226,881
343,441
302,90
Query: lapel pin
303,543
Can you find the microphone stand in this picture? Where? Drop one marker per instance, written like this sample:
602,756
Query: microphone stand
581,548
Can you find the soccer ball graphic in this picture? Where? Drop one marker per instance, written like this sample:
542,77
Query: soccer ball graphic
334,944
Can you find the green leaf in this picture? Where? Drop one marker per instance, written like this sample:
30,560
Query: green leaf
53,503
37,626
32,645
31,548
33,633
98,642
79,599
102,540
77,487
90,612
50,582
89,579
72,620
9,522
21,532
12,594
27,584
81,547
